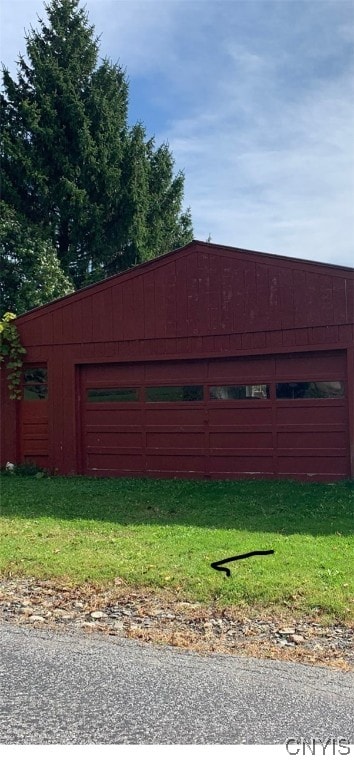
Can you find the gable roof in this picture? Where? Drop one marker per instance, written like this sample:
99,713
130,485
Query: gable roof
194,246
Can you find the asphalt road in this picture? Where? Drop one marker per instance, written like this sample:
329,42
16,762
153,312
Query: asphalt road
79,689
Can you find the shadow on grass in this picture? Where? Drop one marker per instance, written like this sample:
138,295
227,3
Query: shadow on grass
284,507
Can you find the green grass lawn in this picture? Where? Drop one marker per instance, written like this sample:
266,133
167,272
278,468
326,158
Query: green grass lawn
166,533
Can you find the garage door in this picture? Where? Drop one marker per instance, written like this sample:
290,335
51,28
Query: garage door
265,416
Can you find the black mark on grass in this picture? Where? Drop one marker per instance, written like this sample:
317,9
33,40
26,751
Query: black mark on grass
219,563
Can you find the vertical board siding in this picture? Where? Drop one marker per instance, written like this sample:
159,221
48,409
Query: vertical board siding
339,289
251,309
49,328
57,328
238,285
8,434
274,297
139,308
133,310
117,312
263,295
149,301
322,334
202,301
299,297
346,333
226,296
181,297
273,339
301,337
350,300
171,300
85,320
311,295
129,311
101,316
325,299
286,301
69,421
67,317
57,406
204,291
193,288
196,295
159,309
215,298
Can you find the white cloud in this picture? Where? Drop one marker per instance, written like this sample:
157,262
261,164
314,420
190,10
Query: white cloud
268,173
256,100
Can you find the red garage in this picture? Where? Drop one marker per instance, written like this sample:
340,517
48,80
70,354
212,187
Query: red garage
209,361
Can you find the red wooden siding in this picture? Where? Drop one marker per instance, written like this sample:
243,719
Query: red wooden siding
219,439
200,291
34,433
201,303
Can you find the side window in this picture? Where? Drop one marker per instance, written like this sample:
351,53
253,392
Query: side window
110,395
35,383
240,392
298,390
177,394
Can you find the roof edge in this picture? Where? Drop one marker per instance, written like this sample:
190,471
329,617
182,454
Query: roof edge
252,252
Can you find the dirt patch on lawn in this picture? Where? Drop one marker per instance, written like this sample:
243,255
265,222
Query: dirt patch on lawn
160,616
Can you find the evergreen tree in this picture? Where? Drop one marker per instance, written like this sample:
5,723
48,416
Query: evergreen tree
99,190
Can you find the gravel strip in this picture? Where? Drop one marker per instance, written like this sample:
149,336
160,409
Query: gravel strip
162,617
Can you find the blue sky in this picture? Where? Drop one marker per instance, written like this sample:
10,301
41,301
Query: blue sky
256,100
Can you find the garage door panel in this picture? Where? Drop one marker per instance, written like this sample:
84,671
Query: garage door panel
247,370
334,466
253,452
38,457
240,416
106,440
305,367
311,453
235,428
289,428
115,450
112,463
175,451
241,440
112,374
171,440
118,417
233,465
190,372
179,416
310,441
175,464
248,436
105,428
315,412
